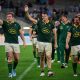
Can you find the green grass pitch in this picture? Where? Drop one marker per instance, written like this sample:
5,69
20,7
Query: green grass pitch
26,59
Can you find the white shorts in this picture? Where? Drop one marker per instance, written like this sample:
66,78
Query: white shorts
34,41
11,47
75,49
45,47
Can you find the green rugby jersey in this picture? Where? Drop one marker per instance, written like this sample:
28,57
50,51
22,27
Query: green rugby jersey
44,31
34,27
62,32
75,35
11,31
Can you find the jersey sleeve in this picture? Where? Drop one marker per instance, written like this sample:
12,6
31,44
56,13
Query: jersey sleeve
3,25
19,27
52,25
70,29
38,21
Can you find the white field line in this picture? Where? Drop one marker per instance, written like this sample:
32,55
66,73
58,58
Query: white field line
26,71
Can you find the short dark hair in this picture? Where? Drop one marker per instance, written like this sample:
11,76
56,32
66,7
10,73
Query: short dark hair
74,18
78,15
63,15
12,13
47,13
44,12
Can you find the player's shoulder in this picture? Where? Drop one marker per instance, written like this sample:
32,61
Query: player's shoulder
4,21
16,23
39,20
69,24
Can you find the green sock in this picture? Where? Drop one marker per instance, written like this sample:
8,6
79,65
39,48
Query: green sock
10,67
74,67
38,60
42,70
49,70
34,53
15,64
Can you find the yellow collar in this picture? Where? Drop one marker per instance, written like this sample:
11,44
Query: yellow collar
75,25
10,22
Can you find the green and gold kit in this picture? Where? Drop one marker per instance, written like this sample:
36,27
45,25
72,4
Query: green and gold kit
62,32
44,31
75,35
11,31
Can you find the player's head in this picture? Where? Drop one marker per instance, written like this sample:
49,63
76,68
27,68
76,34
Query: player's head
45,15
76,20
64,18
10,16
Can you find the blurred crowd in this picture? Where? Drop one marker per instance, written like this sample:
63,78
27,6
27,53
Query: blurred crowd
18,7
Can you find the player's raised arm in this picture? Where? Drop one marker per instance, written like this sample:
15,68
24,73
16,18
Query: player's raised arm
1,22
27,14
